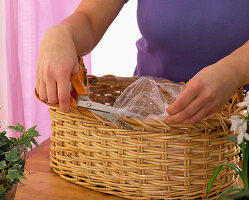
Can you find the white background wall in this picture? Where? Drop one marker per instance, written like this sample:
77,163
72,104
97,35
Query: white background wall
116,53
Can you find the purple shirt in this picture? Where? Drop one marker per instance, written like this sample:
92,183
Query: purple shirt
180,37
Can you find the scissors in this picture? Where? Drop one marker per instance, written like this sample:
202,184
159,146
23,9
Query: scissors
83,101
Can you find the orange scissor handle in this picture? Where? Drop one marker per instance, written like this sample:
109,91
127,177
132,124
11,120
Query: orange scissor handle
77,83
78,86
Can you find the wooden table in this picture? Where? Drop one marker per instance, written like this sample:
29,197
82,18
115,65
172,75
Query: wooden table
43,184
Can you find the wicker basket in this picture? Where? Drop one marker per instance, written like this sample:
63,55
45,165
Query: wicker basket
157,161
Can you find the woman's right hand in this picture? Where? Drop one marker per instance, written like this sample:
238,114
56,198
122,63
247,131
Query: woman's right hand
78,33
57,61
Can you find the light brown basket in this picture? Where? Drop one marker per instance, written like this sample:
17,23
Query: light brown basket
156,161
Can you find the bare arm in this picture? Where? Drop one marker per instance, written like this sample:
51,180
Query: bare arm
78,34
90,21
210,88
239,61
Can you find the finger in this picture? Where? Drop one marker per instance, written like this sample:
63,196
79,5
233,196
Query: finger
63,95
52,91
39,73
42,91
190,110
211,113
188,95
37,81
37,86
200,115
186,113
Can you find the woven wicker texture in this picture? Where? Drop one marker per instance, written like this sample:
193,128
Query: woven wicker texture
157,161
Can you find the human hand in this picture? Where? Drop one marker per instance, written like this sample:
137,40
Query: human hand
204,94
57,61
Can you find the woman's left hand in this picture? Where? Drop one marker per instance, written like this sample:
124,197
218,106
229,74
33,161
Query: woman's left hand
204,94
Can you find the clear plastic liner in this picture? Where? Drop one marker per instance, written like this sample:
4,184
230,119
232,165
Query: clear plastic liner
146,99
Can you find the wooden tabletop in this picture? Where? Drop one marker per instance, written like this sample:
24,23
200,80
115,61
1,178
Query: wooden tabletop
43,184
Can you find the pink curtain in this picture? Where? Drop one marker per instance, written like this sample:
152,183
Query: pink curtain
3,78
26,21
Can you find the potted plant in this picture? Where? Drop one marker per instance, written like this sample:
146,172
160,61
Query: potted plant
13,157
239,126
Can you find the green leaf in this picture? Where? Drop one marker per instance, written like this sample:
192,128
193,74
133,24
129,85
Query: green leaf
2,143
2,190
4,149
32,132
233,138
20,149
18,181
14,174
237,195
18,168
23,176
2,164
229,190
35,142
12,156
22,163
245,163
17,128
14,141
3,139
218,170
3,133
26,140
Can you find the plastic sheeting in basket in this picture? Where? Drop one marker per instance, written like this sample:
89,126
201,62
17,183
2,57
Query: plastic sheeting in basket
146,99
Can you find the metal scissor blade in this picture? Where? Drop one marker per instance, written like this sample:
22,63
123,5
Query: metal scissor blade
84,98
91,105
112,118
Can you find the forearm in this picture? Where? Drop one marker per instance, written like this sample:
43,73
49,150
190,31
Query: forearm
211,88
238,63
90,21
79,28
